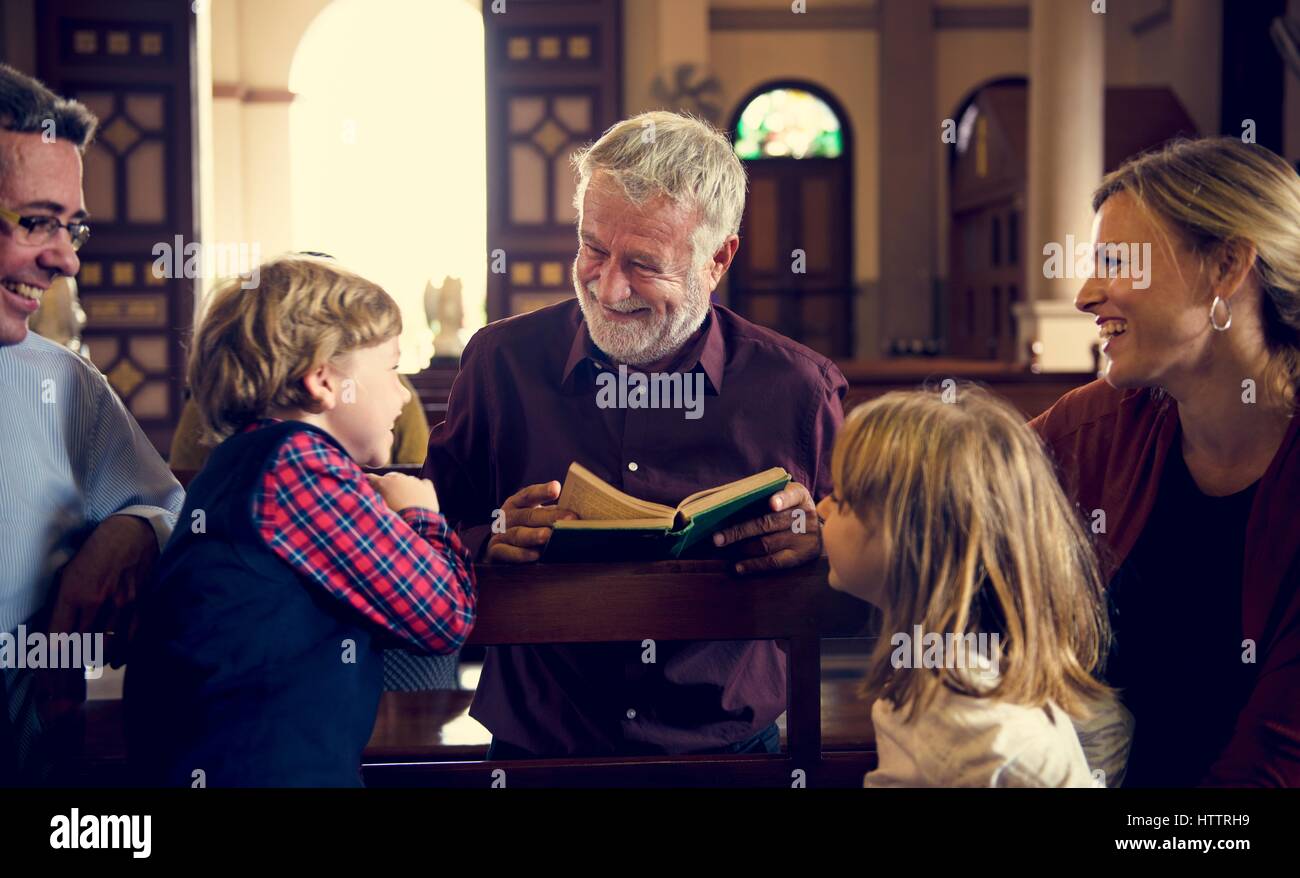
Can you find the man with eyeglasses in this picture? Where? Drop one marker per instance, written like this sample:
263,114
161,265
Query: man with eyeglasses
85,501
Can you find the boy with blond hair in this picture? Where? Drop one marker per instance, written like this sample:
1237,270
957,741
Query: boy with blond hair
259,658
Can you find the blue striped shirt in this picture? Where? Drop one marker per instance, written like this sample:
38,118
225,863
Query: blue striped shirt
72,456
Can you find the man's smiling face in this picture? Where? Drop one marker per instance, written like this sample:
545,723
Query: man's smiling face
635,274
36,179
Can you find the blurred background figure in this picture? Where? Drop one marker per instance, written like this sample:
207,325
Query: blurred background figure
60,317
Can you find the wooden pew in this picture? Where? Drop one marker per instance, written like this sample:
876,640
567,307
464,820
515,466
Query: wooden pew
673,600
666,601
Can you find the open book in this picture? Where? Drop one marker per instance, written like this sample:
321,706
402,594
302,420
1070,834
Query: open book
614,526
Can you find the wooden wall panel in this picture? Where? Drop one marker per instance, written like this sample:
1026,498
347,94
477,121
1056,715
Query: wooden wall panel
131,63
554,83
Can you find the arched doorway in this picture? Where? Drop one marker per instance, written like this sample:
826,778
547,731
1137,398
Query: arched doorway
987,176
794,269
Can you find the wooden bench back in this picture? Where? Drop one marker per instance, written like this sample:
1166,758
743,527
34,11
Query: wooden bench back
664,601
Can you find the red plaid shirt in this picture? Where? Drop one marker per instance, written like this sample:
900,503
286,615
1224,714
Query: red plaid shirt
406,571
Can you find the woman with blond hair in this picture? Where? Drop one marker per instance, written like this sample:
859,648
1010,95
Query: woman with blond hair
1186,458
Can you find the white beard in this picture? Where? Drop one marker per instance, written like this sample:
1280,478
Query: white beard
654,338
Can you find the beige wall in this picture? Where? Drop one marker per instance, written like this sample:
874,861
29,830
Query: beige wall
269,34
658,35
1182,53
253,45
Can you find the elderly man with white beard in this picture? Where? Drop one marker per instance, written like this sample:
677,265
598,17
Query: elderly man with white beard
659,200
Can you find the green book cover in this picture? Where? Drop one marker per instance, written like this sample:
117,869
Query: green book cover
618,527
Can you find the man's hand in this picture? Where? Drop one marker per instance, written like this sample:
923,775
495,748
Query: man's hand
771,541
528,525
98,587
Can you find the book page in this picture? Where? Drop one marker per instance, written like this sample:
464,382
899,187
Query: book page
613,524
707,499
592,498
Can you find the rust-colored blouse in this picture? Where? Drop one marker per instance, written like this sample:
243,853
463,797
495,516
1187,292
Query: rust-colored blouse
1111,447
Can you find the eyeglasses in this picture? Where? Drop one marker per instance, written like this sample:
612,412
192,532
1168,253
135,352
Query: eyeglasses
37,230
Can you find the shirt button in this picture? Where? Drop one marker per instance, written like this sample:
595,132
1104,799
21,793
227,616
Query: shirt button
631,714
632,466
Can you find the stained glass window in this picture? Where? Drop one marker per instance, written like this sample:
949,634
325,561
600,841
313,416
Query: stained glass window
788,123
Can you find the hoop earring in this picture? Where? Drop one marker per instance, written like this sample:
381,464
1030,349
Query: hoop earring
1215,323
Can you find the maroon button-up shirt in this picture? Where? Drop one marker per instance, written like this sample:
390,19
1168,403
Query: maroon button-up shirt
522,409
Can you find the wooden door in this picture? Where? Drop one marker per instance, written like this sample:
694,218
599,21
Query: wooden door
554,83
131,64
987,271
793,271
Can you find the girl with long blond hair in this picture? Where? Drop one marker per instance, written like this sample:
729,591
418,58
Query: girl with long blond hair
948,516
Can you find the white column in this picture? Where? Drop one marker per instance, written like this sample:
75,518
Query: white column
1067,85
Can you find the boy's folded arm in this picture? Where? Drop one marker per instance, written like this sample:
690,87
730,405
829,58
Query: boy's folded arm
408,573
449,548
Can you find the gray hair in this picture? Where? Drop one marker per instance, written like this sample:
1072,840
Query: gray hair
677,155
28,107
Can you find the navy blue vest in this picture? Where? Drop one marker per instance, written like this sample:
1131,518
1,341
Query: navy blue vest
241,669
